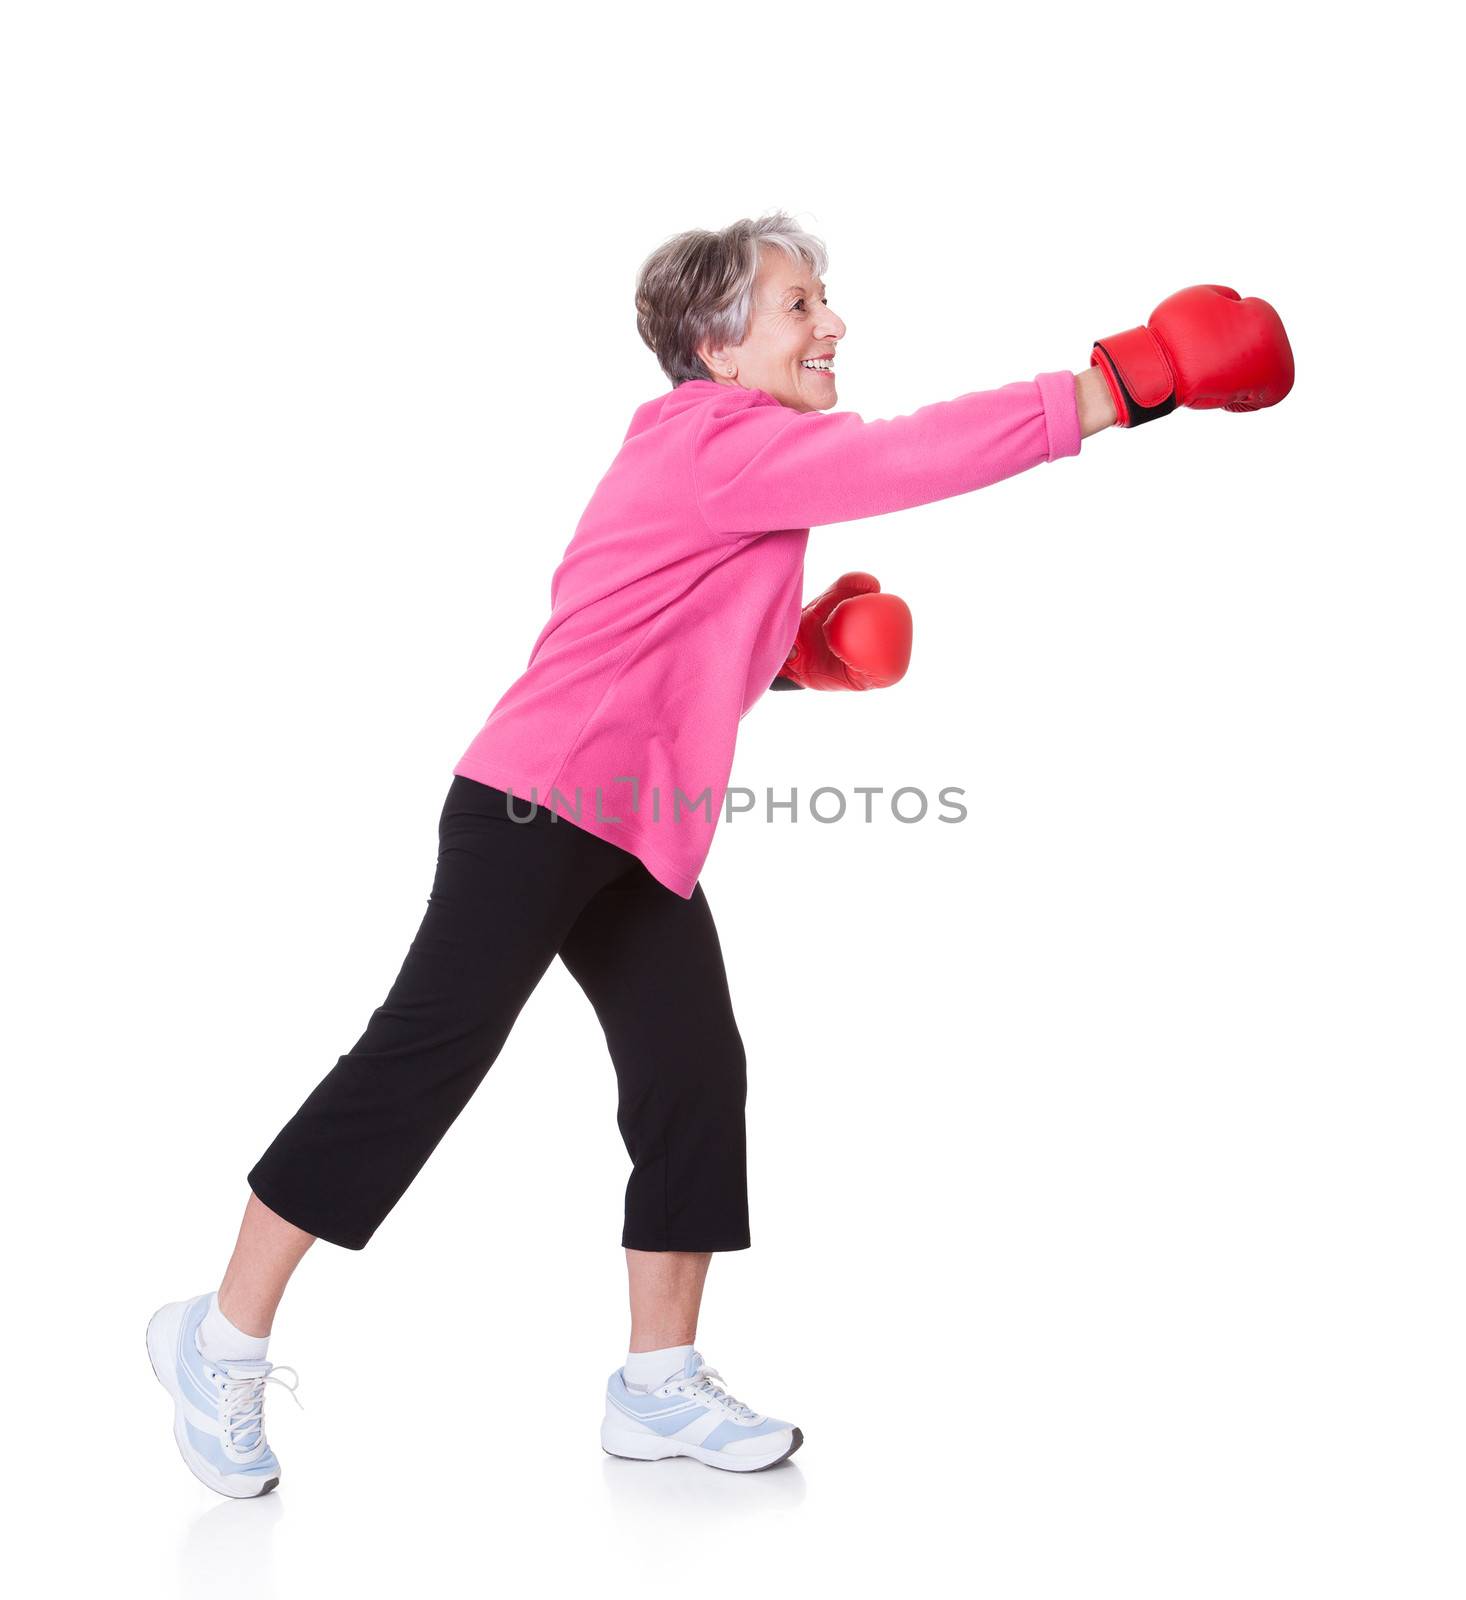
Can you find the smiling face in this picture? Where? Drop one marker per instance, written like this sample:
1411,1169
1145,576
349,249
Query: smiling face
791,323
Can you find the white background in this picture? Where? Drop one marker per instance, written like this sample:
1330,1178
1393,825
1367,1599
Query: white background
1106,1172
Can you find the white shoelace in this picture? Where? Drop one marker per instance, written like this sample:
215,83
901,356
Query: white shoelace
244,1403
712,1383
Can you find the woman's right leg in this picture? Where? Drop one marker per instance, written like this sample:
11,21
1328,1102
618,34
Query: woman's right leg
267,1251
505,895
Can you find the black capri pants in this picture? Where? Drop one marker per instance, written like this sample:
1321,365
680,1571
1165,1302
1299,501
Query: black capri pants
508,895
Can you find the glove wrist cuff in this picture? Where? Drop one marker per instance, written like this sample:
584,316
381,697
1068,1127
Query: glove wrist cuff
792,672
1140,379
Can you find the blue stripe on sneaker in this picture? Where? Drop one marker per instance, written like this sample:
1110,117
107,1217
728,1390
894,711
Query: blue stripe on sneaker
662,1423
211,1451
658,1413
202,1393
728,1431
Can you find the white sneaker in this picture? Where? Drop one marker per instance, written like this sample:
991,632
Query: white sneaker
692,1414
218,1407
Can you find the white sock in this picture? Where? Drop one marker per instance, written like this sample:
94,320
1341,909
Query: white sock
219,1340
646,1370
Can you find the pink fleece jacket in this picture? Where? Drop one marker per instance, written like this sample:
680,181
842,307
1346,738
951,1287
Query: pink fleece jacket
677,600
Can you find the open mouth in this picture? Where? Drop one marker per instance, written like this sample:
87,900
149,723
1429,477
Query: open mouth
827,368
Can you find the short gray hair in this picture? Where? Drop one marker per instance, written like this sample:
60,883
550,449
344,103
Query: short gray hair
698,287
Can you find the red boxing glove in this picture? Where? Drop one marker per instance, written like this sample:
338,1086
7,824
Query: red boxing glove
852,637
1204,347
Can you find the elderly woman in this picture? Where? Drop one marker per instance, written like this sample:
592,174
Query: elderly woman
578,819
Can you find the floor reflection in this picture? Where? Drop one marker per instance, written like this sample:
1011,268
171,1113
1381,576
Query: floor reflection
658,1487
228,1549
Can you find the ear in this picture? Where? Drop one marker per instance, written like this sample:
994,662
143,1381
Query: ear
718,360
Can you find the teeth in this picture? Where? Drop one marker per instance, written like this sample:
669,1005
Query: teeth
818,364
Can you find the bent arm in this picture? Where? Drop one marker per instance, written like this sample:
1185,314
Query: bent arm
766,467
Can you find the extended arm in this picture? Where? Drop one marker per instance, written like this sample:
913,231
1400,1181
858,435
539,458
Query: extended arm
762,467
758,467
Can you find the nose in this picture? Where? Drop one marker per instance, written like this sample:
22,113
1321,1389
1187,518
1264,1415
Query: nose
830,326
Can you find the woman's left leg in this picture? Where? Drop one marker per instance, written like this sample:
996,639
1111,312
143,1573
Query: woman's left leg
666,1296
652,966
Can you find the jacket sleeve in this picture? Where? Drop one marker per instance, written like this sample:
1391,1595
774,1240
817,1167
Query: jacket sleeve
761,468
